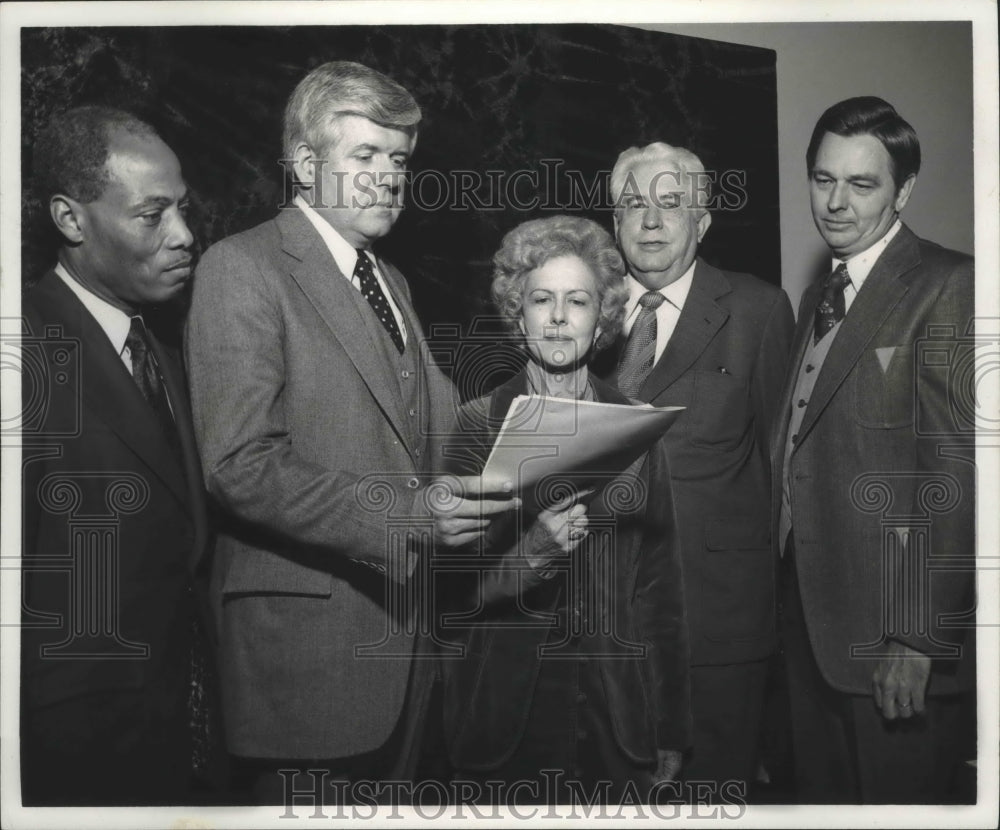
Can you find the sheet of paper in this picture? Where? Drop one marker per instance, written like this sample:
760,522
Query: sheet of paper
549,447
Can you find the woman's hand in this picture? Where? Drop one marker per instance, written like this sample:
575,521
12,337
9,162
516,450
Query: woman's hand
557,530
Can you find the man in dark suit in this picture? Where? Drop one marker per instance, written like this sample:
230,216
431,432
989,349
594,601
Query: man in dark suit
316,409
717,343
875,482
114,512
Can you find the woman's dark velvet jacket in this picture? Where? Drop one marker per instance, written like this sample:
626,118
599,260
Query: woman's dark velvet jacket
501,617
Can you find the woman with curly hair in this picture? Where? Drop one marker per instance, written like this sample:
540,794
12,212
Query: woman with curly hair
571,679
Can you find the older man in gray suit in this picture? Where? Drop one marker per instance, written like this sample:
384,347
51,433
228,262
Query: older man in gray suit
315,411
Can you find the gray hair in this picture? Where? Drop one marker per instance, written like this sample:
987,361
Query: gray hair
341,88
686,161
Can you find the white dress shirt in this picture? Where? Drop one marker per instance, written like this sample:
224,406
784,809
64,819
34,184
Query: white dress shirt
667,314
860,265
114,322
346,257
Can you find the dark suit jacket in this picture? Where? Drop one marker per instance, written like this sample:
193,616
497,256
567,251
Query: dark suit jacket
719,456
884,444
109,511
488,692
316,462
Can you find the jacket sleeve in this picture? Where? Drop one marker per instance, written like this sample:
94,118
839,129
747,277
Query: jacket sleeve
235,360
660,611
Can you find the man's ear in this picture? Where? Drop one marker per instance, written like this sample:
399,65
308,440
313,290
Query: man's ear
67,214
903,196
703,225
304,163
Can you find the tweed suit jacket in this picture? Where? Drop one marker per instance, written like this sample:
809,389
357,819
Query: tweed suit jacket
311,455
882,476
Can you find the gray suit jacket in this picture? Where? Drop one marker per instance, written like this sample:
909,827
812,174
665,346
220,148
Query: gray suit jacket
885,445
315,463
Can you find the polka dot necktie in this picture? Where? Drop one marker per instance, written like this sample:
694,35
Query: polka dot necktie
372,291
640,348
831,308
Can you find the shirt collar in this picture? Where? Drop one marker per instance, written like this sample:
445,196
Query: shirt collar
860,265
341,250
113,321
676,293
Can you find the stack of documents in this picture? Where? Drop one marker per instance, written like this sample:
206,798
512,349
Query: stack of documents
549,446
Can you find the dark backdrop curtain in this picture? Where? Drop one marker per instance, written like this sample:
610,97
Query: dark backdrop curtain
519,121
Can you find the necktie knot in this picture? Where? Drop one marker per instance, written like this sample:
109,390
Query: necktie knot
136,337
652,300
838,279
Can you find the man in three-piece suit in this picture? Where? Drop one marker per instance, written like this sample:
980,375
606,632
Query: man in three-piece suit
874,479
114,512
316,411
715,342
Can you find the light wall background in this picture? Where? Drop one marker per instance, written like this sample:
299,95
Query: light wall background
923,69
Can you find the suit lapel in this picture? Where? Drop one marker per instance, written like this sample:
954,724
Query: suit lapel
698,323
337,302
881,293
107,388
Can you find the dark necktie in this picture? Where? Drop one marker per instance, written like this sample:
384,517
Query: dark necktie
640,348
376,298
831,308
147,377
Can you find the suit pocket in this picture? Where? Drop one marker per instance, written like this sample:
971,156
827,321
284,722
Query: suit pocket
254,571
883,387
719,414
738,574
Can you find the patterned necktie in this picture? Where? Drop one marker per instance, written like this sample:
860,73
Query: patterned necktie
376,298
637,356
147,377
831,308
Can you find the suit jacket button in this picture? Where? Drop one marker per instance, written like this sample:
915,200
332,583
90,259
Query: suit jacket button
405,373
413,484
